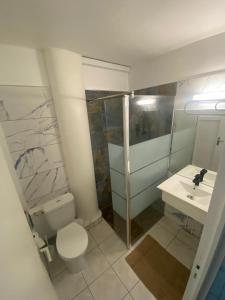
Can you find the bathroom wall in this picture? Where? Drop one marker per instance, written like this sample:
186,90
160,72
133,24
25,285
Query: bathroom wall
29,123
27,116
104,76
23,275
207,55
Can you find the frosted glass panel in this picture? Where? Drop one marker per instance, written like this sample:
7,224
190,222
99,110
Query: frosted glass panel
148,152
119,205
117,182
143,200
183,138
116,157
145,177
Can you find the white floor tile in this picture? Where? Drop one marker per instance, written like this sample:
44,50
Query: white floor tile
101,231
169,225
140,292
113,248
91,243
97,264
161,235
188,239
68,285
182,252
108,287
57,265
85,295
125,273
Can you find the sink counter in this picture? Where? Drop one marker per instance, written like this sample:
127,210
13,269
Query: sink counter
178,191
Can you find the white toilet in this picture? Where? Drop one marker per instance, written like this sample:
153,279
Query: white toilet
72,238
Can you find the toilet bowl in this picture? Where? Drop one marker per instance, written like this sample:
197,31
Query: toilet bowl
71,237
71,245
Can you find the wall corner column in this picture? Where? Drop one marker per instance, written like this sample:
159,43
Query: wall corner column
65,76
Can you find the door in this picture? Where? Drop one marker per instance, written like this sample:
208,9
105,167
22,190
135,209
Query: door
210,136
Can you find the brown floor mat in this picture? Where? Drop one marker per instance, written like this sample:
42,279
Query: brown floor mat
162,274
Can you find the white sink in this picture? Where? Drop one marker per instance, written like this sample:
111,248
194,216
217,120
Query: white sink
179,192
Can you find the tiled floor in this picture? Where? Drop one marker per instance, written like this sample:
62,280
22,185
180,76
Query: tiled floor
108,276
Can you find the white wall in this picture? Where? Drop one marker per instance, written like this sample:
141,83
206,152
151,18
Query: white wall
100,75
21,66
23,275
28,119
204,56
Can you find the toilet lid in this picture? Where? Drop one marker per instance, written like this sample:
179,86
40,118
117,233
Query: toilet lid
71,241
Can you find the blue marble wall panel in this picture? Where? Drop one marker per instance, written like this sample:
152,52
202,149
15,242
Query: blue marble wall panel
29,123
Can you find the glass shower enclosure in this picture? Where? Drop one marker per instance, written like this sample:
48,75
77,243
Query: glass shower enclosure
138,130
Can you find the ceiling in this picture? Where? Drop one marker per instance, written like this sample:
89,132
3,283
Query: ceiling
122,31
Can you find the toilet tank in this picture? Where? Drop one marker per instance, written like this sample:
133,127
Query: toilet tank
60,211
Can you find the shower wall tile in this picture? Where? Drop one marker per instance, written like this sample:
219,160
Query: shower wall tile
30,127
149,122
21,103
100,135
44,183
37,159
30,133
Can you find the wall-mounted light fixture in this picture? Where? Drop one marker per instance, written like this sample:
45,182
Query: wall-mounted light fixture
210,96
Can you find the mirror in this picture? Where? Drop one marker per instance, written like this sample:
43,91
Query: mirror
198,133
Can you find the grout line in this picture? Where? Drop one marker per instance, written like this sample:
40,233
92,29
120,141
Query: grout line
135,285
98,243
87,286
120,280
80,291
107,269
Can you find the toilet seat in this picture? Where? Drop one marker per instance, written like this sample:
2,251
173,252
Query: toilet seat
71,241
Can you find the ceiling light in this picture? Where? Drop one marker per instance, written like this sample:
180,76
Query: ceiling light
146,102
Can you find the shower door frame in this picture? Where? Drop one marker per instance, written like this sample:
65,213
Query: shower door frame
126,157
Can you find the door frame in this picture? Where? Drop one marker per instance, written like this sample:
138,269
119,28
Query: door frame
206,118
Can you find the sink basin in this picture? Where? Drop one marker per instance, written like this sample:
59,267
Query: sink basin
179,192
195,193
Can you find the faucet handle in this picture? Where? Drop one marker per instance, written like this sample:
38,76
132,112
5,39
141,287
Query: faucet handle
203,172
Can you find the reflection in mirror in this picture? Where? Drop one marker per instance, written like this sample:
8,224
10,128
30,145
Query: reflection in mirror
198,135
198,123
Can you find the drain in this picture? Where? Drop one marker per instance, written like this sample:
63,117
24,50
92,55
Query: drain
190,196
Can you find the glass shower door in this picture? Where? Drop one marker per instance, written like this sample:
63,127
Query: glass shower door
150,139
114,135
